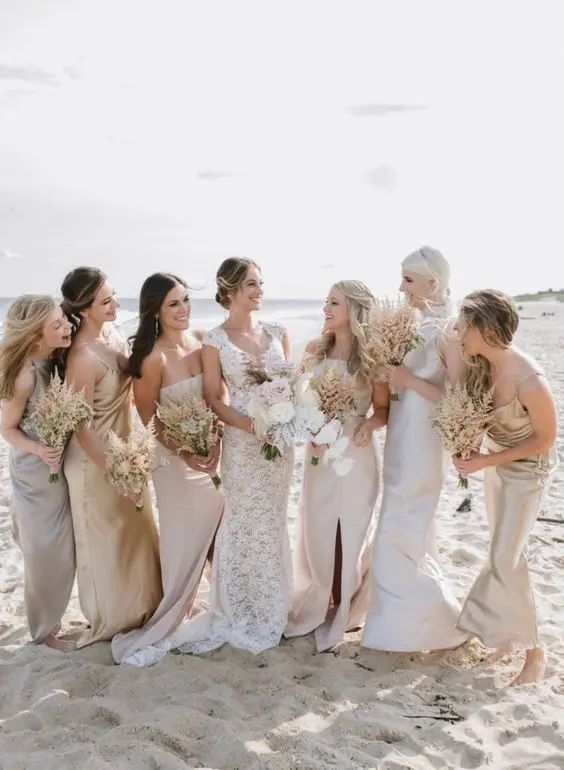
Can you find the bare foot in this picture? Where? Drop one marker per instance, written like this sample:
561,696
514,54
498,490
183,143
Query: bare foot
502,652
56,643
533,668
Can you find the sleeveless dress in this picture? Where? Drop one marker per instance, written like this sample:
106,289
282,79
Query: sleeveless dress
119,580
190,509
327,501
42,527
500,608
251,572
412,607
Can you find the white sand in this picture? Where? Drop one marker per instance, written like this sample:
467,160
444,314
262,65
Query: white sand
290,707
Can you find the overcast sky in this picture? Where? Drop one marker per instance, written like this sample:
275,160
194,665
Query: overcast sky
326,140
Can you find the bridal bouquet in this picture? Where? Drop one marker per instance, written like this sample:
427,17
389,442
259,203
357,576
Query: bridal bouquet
59,412
461,420
285,409
391,334
337,401
191,426
128,460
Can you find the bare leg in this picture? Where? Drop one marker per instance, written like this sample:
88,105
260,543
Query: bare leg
336,590
64,645
533,668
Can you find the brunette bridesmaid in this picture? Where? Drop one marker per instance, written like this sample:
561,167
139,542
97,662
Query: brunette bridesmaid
166,364
119,581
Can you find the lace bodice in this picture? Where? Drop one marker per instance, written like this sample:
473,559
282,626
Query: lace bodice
234,361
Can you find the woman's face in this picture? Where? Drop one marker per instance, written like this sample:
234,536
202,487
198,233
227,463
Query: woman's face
56,330
417,288
335,310
174,313
469,337
249,295
105,305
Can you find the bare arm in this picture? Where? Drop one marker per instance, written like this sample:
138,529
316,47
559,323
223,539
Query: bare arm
286,345
83,372
537,398
402,377
214,391
11,416
380,407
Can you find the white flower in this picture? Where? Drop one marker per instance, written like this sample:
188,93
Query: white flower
305,395
276,390
329,433
336,450
260,418
311,418
281,413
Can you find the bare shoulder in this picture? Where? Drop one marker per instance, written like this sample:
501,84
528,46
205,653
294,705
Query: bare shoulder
154,363
25,382
83,364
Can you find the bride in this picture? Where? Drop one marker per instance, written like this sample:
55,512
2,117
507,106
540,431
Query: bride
251,577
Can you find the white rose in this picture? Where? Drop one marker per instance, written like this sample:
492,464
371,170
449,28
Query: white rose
313,418
281,413
329,433
305,395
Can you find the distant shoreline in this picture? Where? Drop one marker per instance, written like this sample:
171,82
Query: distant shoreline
541,296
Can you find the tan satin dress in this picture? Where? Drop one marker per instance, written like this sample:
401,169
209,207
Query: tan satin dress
118,573
500,608
190,509
328,501
42,527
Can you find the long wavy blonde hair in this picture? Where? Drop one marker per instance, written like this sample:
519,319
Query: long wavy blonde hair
495,316
360,303
22,332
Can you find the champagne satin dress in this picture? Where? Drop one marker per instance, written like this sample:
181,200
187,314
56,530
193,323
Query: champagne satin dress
42,527
190,509
118,573
329,501
500,608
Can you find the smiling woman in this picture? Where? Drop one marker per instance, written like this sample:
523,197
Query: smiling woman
119,582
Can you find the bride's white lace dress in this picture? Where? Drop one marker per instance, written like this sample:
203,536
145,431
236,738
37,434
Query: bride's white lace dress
251,578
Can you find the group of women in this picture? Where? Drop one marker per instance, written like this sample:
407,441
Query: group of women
138,588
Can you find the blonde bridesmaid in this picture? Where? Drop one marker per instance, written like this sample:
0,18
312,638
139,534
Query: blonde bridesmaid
34,329
119,582
166,364
336,513
518,456
412,606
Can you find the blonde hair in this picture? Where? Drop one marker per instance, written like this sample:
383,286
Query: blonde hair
23,330
431,263
229,278
495,316
361,304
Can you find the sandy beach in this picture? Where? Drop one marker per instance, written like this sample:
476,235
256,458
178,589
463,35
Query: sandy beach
290,707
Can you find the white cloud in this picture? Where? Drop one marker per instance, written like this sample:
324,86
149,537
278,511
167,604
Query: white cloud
8,254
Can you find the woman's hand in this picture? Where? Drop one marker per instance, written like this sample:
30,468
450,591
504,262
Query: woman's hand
398,376
476,462
50,456
203,464
363,433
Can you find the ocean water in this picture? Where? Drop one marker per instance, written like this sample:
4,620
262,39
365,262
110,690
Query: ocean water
302,318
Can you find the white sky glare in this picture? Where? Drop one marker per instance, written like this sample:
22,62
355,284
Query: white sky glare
326,140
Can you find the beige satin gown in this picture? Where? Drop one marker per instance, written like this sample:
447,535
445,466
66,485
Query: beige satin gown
190,509
327,501
42,527
500,608
118,573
